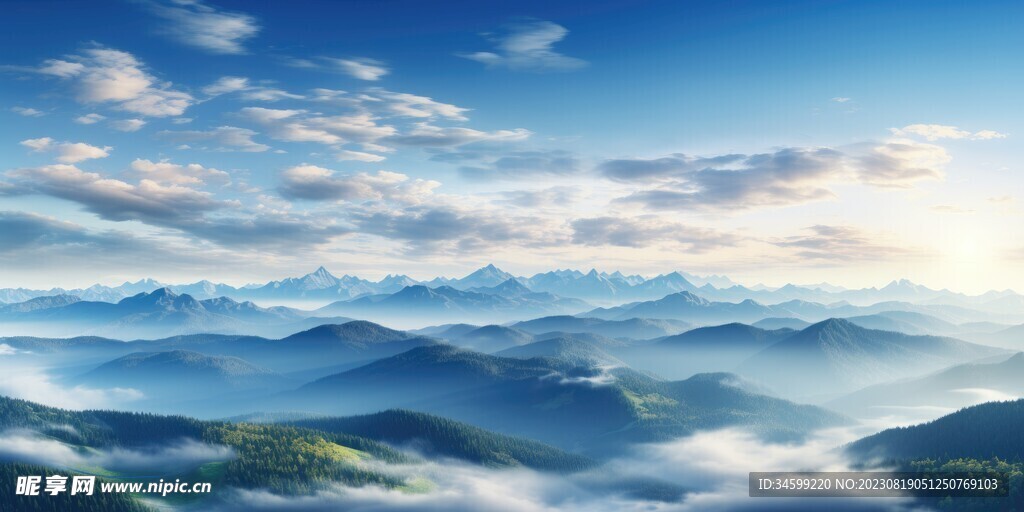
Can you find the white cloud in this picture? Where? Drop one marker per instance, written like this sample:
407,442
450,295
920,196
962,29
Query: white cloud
227,138
104,75
988,134
128,125
89,118
288,125
841,99
933,132
179,207
900,163
231,84
189,175
528,46
196,24
299,126
785,177
358,156
645,231
115,199
27,112
362,68
412,105
390,103
226,84
319,183
268,94
61,68
67,152
424,134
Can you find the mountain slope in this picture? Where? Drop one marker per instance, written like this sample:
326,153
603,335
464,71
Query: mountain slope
952,388
421,373
564,348
906,322
436,436
178,372
979,432
705,349
492,338
837,356
286,460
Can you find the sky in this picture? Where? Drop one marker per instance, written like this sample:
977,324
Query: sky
773,142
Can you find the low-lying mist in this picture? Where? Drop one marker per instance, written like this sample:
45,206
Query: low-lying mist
710,468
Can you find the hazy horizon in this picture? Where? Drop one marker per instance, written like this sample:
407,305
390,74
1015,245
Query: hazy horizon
84,281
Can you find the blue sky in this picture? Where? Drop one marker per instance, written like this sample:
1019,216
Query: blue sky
855,142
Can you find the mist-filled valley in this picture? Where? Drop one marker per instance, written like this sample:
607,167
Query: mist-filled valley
666,403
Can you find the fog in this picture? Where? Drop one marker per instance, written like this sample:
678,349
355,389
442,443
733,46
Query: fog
712,466
38,385
22,445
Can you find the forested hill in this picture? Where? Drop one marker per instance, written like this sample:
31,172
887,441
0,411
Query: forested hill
284,459
980,432
434,435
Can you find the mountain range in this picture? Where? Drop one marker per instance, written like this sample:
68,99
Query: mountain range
552,398
160,312
321,350
419,304
593,286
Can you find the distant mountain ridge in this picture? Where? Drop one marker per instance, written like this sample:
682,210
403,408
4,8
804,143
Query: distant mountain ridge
158,313
601,287
420,303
